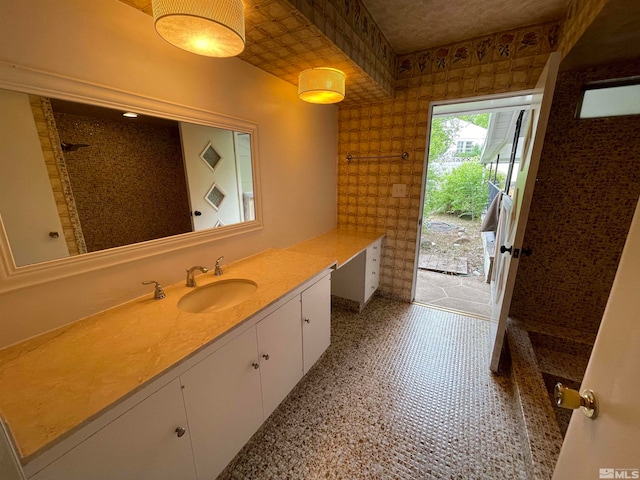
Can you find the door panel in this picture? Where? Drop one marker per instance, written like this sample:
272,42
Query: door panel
224,403
514,221
280,352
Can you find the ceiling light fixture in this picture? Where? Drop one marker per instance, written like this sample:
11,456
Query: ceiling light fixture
214,28
130,115
321,85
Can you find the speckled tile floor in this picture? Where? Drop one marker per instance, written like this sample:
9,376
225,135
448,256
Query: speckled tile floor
469,295
404,392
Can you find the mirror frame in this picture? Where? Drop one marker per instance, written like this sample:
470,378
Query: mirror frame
37,82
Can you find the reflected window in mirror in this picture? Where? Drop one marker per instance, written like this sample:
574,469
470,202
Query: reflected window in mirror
78,178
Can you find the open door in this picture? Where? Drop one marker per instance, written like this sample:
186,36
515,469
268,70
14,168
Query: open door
514,213
609,445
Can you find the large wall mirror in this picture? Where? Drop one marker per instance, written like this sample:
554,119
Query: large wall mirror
80,178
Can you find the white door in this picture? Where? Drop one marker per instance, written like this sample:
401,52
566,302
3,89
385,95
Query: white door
612,440
27,204
280,351
513,222
210,165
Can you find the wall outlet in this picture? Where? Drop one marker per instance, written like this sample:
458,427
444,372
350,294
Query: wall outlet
399,190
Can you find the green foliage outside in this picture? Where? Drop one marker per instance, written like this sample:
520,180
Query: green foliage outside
462,191
479,119
443,131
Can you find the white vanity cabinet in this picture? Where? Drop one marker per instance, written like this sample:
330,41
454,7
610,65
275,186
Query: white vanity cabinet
358,279
223,400
280,353
220,401
316,321
145,442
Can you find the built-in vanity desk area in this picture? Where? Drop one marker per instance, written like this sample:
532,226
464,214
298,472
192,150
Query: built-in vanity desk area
147,390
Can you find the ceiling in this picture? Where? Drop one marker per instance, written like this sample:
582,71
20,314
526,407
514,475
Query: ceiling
412,25
283,41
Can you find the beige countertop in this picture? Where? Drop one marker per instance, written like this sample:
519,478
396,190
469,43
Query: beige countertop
341,245
52,384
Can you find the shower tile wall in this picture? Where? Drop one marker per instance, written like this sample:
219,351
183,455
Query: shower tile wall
503,62
129,184
587,189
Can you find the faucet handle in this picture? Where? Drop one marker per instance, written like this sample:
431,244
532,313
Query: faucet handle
159,292
218,268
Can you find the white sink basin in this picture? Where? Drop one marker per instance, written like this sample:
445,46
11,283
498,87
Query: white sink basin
217,296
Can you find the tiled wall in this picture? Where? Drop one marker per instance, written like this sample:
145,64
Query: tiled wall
129,184
391,127
587,189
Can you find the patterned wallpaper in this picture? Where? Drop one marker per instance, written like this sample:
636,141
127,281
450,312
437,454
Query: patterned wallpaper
513,62
508,45
587,189
129,183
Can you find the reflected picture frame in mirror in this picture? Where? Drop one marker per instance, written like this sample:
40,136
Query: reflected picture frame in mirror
245,199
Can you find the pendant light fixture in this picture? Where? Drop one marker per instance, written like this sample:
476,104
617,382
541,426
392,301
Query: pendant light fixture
214,28
321,85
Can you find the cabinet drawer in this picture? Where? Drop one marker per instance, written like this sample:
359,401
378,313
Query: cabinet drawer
372,268
371,287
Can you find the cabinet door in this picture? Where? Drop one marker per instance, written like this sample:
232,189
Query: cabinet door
142,443
280,350
316,324
224,404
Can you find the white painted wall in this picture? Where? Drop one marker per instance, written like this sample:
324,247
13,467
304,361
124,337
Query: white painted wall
25,189
112,44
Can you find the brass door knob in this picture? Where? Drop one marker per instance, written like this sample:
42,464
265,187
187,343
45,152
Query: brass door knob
572,399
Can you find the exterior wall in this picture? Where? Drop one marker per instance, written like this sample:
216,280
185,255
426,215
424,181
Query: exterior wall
108,43
391,127
588,186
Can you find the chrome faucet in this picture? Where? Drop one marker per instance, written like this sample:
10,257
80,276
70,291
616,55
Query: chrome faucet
218,269
158,294
191,281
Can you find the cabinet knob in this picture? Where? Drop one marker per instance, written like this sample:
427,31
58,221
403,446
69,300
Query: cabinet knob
265,356
54,234
375,247
307,320
375,259
255,365
180,431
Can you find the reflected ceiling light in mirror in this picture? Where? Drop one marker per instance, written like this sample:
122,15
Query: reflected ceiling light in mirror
321,85
130,115
214,28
